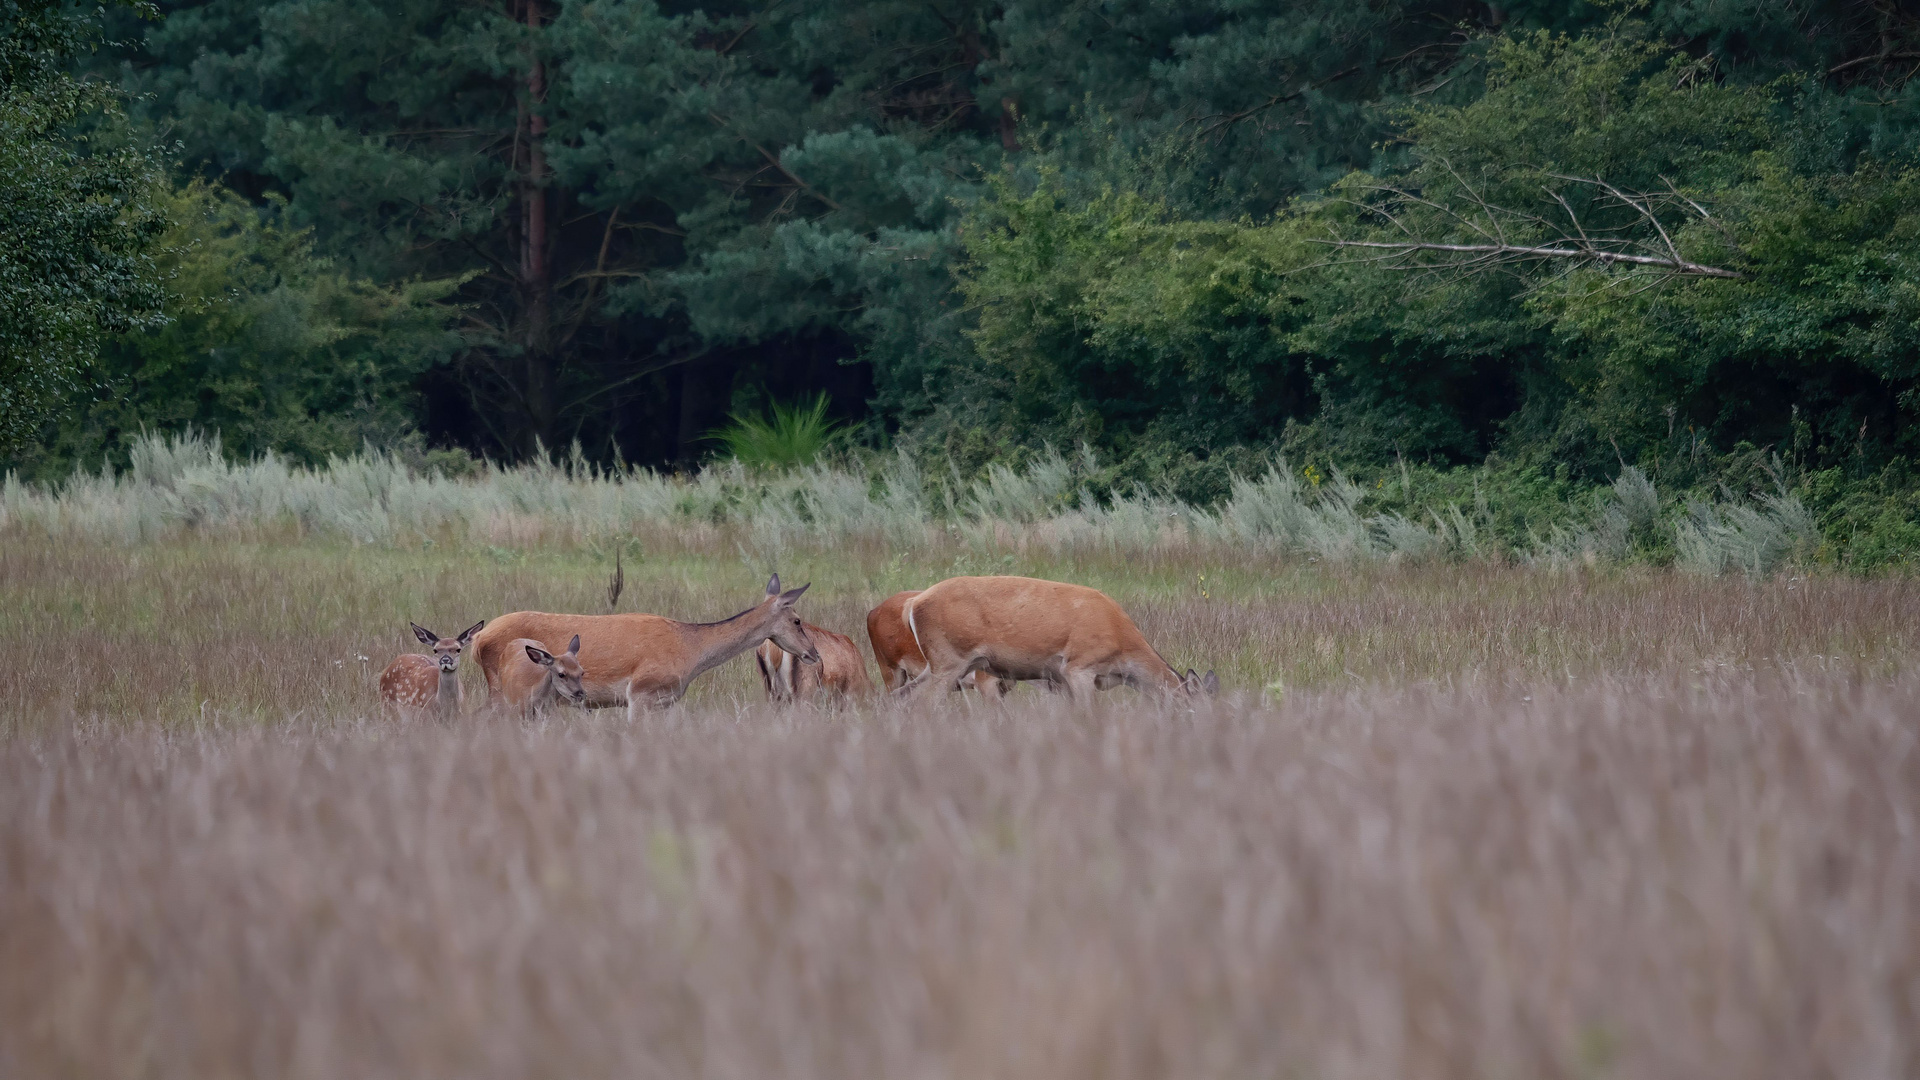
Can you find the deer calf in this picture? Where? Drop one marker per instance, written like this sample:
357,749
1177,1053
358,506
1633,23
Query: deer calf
531,677
840,672
416,685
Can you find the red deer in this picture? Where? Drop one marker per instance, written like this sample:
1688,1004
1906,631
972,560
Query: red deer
531,677
646,661
1068,636
416,685
841,670
899,656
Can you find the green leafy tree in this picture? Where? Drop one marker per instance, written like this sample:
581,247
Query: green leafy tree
1608,255
663,209
77,217
266,342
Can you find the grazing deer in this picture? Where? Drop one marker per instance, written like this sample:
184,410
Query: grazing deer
531,677
416,685
1068,636
646,661
840,672
899,655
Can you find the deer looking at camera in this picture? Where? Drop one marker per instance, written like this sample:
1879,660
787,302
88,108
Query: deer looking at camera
531,678
417,685
840,672
899,655
646,661
1068,636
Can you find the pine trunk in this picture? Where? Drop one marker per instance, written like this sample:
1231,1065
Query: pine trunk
535,276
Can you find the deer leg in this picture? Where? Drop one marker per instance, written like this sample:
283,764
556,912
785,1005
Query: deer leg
1081,686
991,687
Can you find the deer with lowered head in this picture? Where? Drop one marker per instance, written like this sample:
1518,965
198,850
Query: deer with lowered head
647,661
531,678
1069,636
419,685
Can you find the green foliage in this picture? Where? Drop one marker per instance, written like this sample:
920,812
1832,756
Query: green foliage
265,342
77,215
793,435
652,209
1104,317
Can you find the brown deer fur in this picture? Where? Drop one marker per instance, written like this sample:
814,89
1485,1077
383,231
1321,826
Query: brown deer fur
1065,635
841,670
416,685
899,655
532,677
646,661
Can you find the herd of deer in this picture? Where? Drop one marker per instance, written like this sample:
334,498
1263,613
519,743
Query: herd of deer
985,632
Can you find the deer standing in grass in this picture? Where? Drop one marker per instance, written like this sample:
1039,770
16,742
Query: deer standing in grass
840,672
416,685
531,678
1068,636
899,655
646,661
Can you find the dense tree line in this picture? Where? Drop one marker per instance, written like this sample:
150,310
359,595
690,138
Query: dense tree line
984,227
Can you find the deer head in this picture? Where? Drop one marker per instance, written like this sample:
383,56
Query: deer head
564,670
1194,684
786,630
446,651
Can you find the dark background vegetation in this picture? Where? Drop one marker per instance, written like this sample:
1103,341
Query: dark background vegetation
984,228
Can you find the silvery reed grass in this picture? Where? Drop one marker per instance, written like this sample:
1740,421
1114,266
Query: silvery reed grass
185,485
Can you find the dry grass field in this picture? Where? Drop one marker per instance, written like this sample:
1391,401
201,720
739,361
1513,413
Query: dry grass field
1444,821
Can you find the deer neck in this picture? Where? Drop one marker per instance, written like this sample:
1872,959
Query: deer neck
447,699
714,644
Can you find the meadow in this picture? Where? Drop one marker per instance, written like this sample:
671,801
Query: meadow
1450,817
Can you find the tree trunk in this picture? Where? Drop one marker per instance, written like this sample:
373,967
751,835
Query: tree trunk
535,276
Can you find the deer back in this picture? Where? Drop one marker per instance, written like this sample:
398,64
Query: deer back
1026,626
613,649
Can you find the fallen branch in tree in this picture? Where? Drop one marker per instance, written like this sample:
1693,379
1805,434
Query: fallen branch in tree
1493,244
1520,251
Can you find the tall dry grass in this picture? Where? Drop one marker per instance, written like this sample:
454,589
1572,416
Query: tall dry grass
1630,878
1447,821
186,631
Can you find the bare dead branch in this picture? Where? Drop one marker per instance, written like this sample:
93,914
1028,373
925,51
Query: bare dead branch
1534,238
774,161
1876,58
1221,121
1502,252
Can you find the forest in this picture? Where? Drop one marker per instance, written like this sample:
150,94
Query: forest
1500,251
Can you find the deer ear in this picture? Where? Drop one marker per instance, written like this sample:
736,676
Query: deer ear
788,599
573,647
539,656
773,585
467,634
426,636
1211,684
